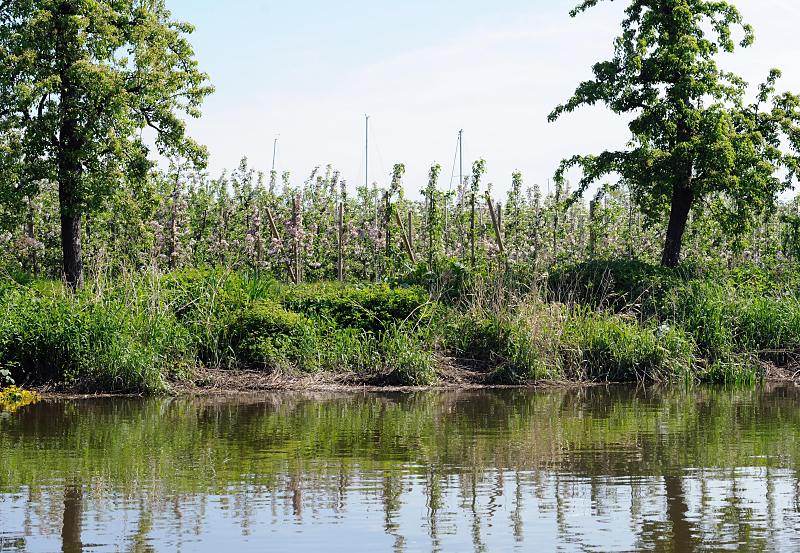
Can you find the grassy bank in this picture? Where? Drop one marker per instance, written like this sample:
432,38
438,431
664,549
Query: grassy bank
604,321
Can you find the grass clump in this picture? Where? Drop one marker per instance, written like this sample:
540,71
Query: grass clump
741,322
616,285
536,340
268,337
598,346
89,343
406,359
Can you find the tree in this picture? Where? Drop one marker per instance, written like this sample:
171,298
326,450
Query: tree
694,136
79,82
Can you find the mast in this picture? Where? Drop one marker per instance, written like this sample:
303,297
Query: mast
366,151
461,157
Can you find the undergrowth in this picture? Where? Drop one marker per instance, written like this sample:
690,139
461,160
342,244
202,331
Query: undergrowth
613,321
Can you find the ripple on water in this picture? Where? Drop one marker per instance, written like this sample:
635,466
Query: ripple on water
594,470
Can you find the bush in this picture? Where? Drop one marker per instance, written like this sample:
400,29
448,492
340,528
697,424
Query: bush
266,336
373,308
406,359
540,341
205,301
735,328
510,346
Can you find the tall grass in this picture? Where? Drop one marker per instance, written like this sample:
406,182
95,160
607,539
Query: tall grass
141,332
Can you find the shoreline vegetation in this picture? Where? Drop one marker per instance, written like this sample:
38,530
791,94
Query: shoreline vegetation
129,269
206,330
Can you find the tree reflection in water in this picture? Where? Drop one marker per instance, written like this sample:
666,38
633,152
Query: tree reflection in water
597,469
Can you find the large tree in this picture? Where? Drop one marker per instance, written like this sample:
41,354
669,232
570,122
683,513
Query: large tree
80,80
695,135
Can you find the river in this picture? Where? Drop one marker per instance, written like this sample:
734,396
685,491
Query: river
595,469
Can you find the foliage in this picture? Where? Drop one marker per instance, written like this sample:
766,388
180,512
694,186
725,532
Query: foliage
540,341
78,83
14,398
89,343
266,336
372,308
694,137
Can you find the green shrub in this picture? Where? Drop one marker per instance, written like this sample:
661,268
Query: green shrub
703,310
206,300
373,308
508,346
734,327
449,279
614,284
540,341
350,350
266,336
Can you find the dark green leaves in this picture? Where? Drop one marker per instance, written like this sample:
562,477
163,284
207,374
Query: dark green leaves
691,126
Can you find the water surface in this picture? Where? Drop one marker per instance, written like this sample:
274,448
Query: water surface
602,469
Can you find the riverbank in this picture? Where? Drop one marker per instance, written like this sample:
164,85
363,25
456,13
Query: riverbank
211,330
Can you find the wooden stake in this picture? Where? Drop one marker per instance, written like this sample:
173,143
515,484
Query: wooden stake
496,223
406,243
410,231
296,223
340,260
592,228
472,231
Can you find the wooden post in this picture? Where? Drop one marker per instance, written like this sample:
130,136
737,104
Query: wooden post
592,229
500,220
472,230
496,224
387,224
410,231
340,257
258,239
296,223
406,243
446,234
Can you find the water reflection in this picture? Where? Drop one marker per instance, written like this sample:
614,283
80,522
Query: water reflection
601,469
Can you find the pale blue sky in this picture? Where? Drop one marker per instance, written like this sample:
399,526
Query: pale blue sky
309,70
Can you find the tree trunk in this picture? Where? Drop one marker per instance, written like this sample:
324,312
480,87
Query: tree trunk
682,199
71,248
68,150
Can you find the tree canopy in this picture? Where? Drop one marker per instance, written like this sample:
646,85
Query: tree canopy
79,82
695,134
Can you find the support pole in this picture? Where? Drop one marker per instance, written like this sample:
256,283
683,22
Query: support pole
496,223
340,256
406,243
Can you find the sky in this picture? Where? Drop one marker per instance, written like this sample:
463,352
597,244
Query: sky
307,72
